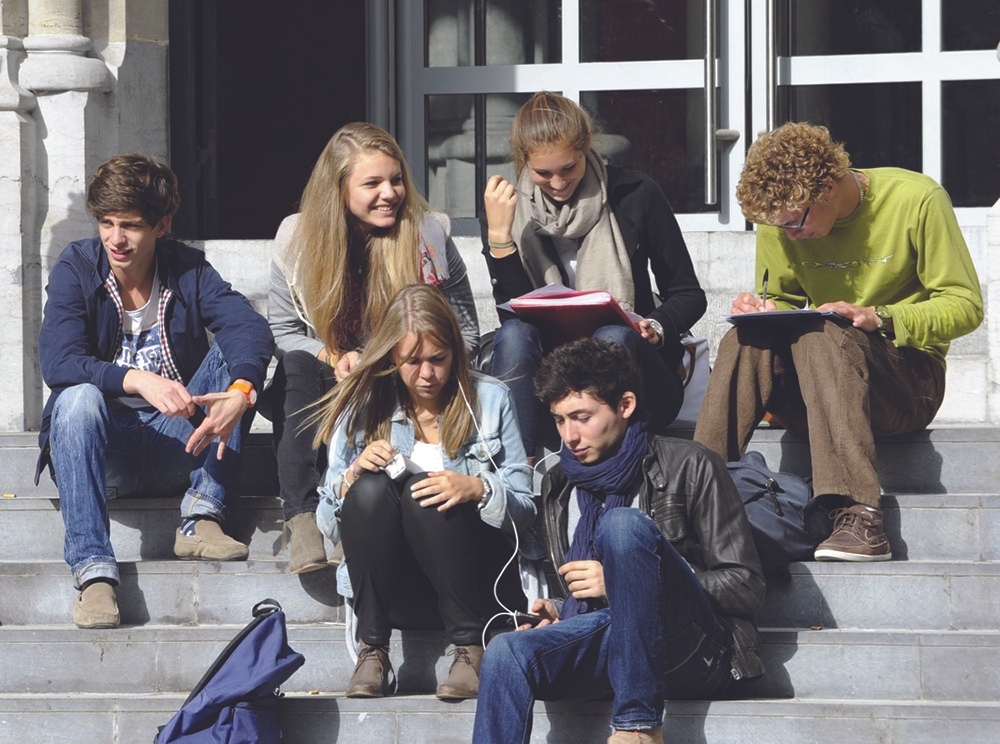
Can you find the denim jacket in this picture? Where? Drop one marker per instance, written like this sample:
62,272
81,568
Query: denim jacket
494,452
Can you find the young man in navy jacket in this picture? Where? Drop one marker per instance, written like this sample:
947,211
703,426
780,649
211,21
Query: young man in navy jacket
142,403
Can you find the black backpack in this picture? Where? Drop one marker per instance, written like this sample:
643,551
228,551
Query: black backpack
236,701
787,522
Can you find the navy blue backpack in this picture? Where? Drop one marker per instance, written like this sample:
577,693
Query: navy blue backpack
786,521
236,701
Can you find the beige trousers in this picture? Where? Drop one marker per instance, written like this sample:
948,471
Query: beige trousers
839,384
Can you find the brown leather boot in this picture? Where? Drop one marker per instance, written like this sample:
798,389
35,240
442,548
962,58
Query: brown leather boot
463,677
371,673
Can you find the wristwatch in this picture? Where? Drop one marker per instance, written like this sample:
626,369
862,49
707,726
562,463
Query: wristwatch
884,321
487,493
247,389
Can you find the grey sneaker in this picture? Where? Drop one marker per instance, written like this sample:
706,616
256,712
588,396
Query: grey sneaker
858,535
208,543
96,607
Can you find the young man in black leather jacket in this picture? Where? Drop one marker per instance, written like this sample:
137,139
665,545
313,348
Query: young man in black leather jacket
659,598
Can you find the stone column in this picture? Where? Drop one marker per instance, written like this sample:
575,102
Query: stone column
64,81
18,260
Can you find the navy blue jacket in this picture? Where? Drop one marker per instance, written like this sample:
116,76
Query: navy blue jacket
82,325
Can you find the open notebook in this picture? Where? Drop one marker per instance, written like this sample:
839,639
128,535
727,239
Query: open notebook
565,314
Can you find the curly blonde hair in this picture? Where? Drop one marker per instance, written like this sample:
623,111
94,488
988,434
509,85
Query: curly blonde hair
326,230
790,168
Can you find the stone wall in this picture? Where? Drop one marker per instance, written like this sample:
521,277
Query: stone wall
724,262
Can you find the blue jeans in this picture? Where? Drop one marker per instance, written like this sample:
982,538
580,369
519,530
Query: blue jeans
517,356
103,450
658,639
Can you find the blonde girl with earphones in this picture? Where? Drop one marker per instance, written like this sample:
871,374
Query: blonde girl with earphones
428,484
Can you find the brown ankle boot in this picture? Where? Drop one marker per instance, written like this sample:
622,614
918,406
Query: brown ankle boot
308,553
371,673
463,677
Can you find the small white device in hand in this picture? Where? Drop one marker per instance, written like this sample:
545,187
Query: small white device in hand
400,467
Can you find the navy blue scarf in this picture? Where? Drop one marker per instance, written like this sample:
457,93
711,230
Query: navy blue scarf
598,488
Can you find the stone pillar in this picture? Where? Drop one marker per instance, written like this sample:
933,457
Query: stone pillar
18,261
63,79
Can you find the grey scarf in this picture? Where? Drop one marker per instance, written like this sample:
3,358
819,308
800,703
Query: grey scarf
602,260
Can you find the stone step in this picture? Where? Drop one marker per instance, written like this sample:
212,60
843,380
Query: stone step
932,666
421,719
937,527
903,595
959,459
19,454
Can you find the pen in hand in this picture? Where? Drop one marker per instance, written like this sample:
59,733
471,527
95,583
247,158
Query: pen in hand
763,292
525,194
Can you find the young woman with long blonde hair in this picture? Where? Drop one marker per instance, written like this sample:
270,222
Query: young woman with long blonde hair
423,548
363,233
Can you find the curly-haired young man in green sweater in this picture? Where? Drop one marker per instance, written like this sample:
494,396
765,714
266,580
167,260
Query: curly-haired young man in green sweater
882,249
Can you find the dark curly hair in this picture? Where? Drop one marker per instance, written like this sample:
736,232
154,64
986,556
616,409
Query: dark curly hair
604,369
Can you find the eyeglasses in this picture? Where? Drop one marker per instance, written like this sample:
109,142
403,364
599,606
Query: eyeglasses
799,226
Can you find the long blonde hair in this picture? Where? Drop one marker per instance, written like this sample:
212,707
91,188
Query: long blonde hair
326,230
369,395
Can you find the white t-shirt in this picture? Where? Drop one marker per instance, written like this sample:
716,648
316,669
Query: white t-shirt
428,457
141,345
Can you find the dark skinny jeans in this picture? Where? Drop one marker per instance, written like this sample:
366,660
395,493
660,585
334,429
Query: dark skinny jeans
300,379
416,568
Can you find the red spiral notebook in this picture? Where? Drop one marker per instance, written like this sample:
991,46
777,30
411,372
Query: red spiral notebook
564,314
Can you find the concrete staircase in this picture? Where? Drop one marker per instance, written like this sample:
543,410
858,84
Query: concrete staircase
898,653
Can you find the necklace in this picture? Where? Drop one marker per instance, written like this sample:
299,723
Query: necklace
861,189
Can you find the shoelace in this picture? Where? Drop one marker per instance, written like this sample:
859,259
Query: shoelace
463,654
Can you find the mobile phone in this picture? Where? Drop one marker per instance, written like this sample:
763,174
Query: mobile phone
522,618
197,417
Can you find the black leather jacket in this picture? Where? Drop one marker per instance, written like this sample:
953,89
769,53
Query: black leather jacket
688,492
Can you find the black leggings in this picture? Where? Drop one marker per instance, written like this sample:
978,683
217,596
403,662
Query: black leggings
416,568
300,379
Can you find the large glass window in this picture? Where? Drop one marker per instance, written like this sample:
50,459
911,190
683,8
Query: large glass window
636,30
970,24
905,83
971,147
514,32
820,27
659,132
879,123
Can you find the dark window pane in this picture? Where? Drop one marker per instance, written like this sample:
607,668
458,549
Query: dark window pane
517,32
660,133
971,150
848,27
879,123
451,148
970,24
635,30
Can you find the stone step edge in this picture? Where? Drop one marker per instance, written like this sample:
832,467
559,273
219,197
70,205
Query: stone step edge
334,633
271,502
333,703
278,566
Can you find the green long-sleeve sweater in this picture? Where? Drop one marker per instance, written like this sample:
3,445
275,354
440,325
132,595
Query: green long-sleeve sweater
901,248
